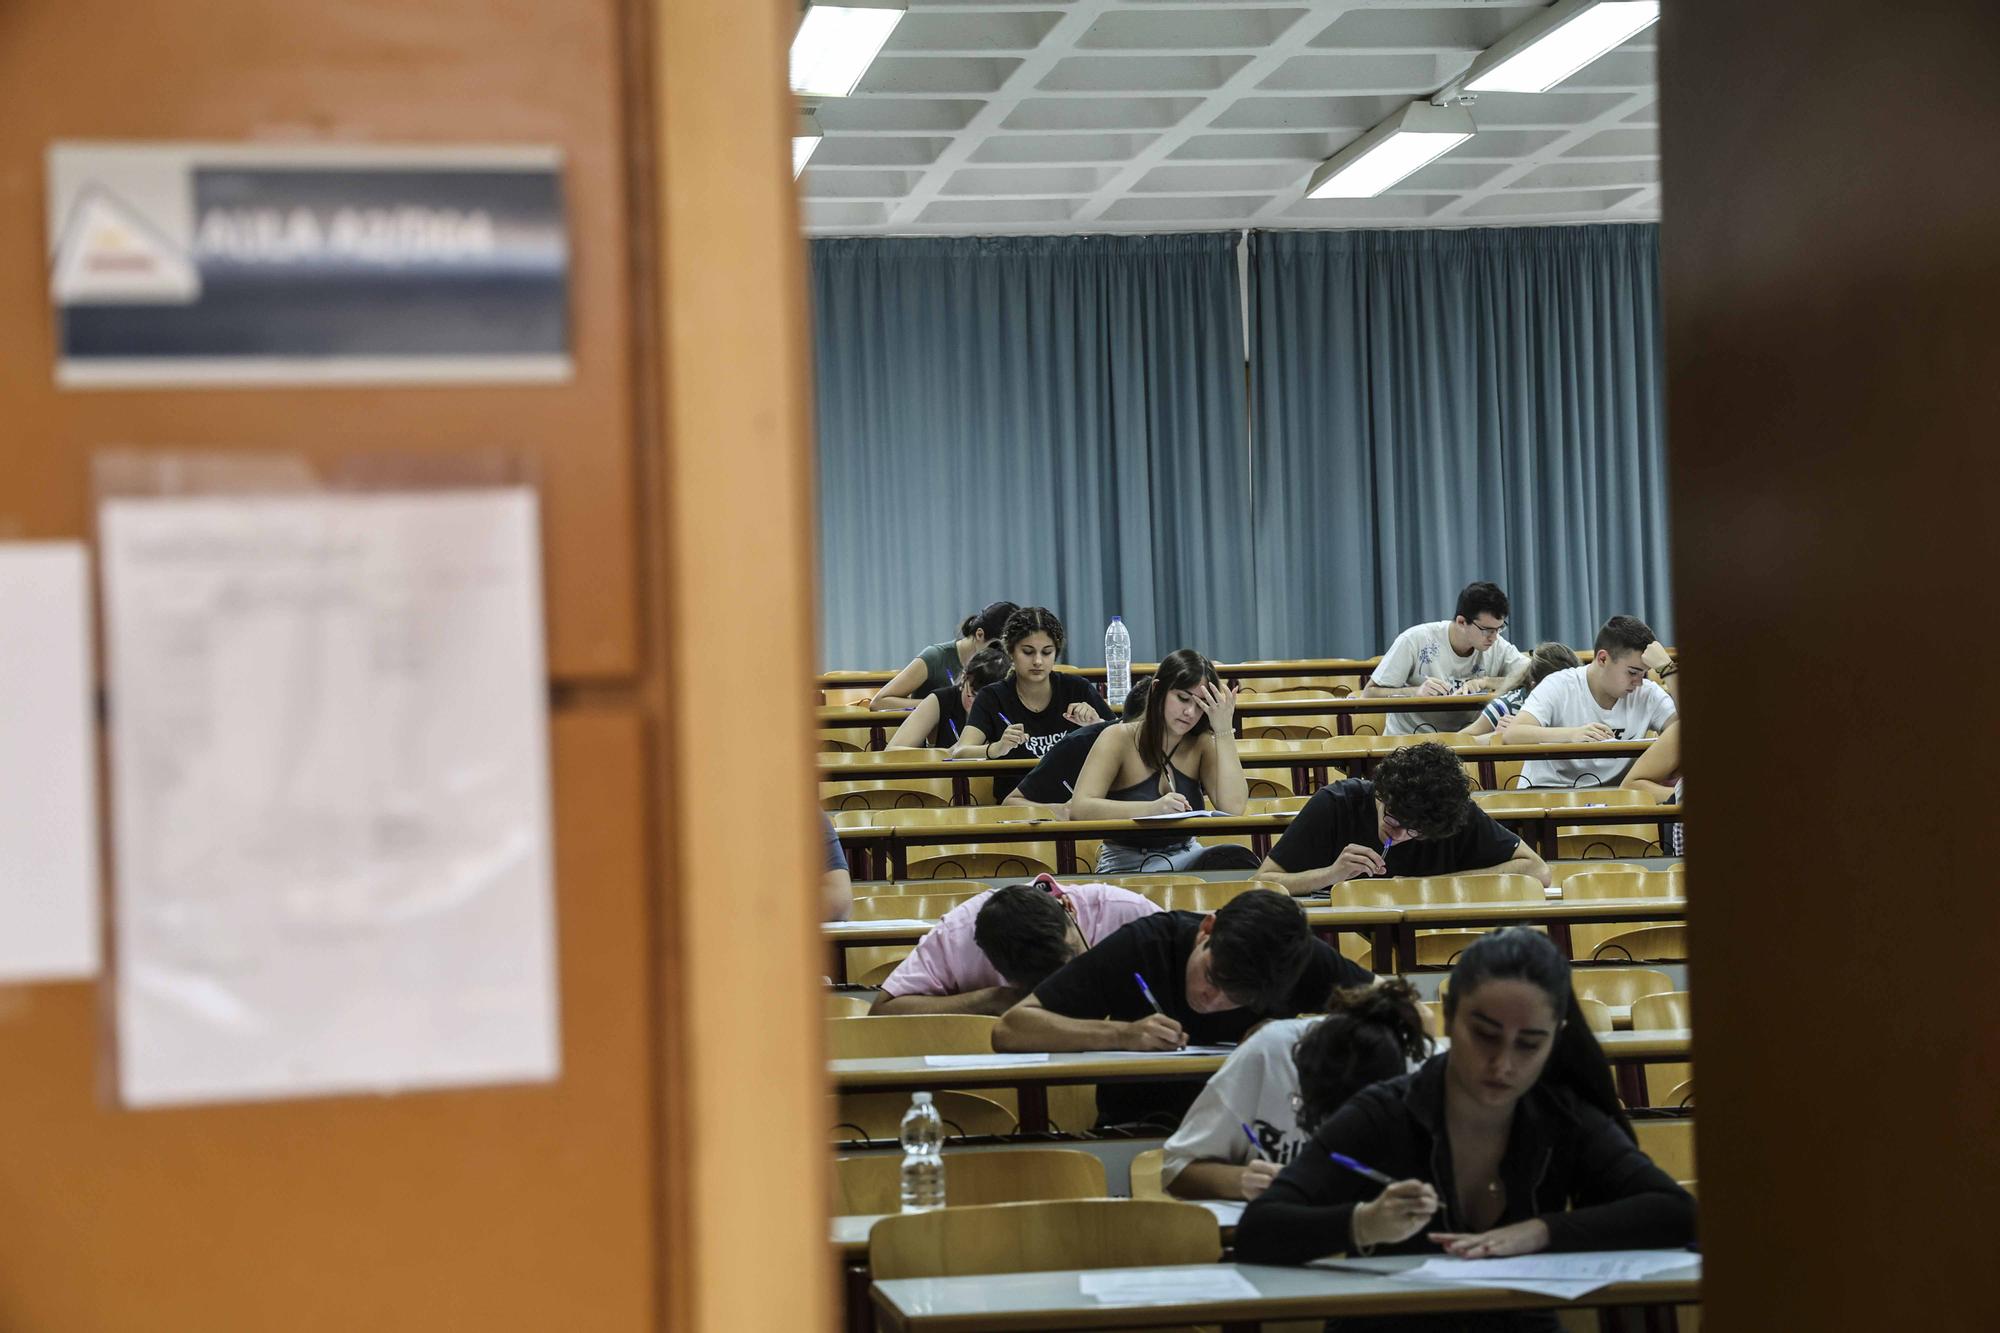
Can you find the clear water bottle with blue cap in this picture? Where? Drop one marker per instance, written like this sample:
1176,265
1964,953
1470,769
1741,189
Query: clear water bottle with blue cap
1117,663
923,1156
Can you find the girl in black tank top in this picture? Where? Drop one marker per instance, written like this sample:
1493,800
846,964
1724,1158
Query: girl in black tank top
1180,756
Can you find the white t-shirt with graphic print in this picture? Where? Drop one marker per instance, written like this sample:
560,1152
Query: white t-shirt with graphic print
1254,1087
1565,700
1425,650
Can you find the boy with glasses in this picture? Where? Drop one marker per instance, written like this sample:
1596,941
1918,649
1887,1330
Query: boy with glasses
1468,654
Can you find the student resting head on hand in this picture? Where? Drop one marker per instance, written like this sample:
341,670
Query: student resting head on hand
1510,1142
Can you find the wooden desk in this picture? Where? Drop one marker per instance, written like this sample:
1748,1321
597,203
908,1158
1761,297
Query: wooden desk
1309,759
888,834
879,725
1031,1082
849,1231
1310,668
1000,1302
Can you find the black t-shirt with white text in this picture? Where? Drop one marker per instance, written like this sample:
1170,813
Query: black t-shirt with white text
1098,983
1344,813
1044,729
1053,781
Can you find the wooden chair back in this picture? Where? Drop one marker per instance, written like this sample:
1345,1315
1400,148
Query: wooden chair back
871,964
1563,874
1670,1143
1610,883
967,887
907,906
873,1117
1596,1013
1036,1237
1437,889
886,793
1441,948
909,1034
973,1177
1364,893
1607,841
1200,897
1146,1170
1618,987
1644,944
839,1005
1665,1009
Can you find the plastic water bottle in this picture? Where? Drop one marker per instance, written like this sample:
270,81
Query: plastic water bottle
923,1156
1117,663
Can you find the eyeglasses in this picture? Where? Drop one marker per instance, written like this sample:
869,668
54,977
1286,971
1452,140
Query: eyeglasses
1397,828
1489,630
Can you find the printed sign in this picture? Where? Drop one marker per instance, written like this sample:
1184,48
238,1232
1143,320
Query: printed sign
190,264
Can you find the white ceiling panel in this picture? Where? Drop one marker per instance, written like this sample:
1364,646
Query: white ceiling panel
988,116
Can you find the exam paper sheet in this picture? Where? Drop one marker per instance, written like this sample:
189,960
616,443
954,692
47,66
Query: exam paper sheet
1161,1286
48,765
329,738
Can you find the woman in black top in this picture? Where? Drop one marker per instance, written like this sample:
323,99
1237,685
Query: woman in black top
1182,751
1510,1142
1028,712
939,719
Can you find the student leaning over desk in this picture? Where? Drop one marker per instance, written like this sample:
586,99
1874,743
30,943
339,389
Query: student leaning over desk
939,665
1510,1142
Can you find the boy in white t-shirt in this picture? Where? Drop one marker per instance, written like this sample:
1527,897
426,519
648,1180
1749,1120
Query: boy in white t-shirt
1464,655
1610,699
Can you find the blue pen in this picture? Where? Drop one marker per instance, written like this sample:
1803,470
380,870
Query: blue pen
1341,1159
1147,991
954,729
1255,1146
1004,718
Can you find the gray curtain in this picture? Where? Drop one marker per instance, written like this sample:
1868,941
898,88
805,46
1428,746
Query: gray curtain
1433,407
1052,420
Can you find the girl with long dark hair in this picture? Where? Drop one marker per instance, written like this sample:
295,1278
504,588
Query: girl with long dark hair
1181,753
1510,1142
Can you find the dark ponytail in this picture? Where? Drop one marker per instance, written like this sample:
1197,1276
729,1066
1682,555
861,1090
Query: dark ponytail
992,618
1368,1035
1576,1061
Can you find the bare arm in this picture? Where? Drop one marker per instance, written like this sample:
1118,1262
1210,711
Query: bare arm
1529,730
1654,771
915,731
995,1000
836,893
1030,1027
1479,726
1100,769
1221,766
1523,862
899,695
1353,860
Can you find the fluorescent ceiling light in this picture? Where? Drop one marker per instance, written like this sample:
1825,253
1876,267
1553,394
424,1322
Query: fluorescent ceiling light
805,138
1548,49
1417,134
837,42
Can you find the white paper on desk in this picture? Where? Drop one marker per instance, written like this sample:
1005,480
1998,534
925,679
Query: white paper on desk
1161,1055
993,1061
1186,814
1165,1286
330,757
48,765
899,923
1565,1275
1227,1211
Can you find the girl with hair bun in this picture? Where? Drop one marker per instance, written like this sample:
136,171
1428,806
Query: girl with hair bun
1025,713
1173,760
940,664
1510,1142
1282,1082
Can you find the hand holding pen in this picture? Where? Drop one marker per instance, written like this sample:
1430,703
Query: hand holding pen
1259,1171
1155,1033
1396,1214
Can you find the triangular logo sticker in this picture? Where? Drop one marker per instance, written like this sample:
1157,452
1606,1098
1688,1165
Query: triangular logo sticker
109,255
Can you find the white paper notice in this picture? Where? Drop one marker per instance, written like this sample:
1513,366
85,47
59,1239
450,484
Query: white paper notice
48,765
1166,1286
1565,1275
329,722
983,1061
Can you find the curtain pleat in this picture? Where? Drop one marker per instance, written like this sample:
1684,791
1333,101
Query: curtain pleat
1052,420
1435,407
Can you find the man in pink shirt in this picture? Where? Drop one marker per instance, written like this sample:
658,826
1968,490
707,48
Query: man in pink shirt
993,949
